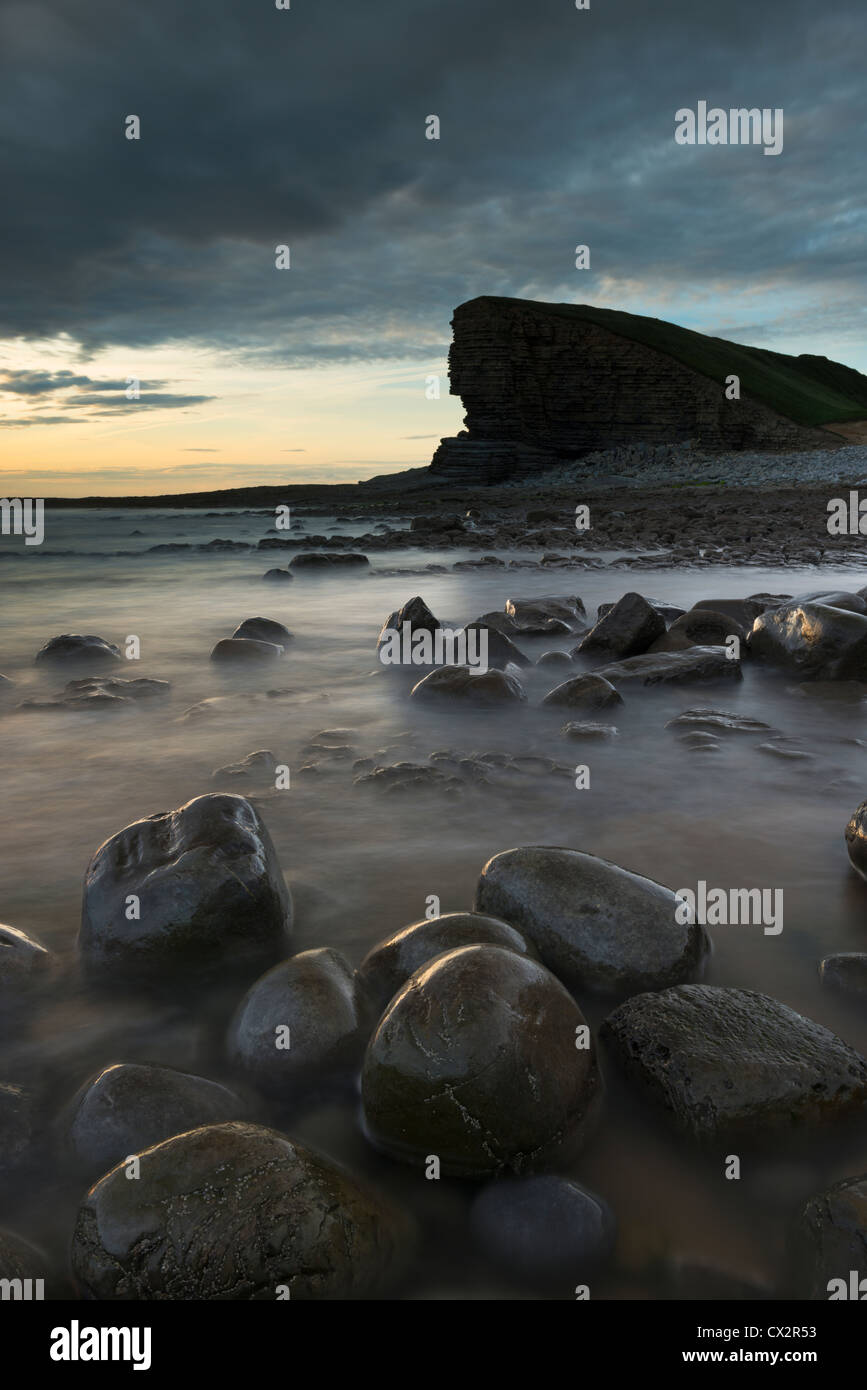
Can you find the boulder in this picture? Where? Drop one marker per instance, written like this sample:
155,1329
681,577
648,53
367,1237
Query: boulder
595,925
278,576
830,1242
812,639
731,1062
846,971
543,1226
73,649
245,650
262,630
128,1106
210,893
501,650
255,767
585,729
701,628
305,1021
744,611
388,966
234,1212
627,629
698,665
464,682
590,692
501,1087
834,598
534,613
416,613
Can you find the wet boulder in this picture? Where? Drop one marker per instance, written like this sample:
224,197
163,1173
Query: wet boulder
698,665
415,612
700,628
627,629
262,630
72,649
588,692
728,1062
475,1061
467,683
235,1212
498,649
596,925
547,615
846,970
303,1023
543,1226
278,576
128,1106
744,611
196,889
829,1243
812,639
245,650
388,966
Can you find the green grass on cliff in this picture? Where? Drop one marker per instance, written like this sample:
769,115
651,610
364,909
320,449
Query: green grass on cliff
811,390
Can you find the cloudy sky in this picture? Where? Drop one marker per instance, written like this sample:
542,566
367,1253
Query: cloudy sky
154,258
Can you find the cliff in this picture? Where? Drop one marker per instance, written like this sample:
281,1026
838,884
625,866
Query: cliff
546,382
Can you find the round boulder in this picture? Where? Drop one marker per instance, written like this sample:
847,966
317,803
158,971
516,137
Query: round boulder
388,966
477,1062
304,1022
127,1107
596,925
545,1226
234,1212
194,889
72,648
262,630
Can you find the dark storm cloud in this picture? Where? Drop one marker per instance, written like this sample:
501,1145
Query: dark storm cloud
262,127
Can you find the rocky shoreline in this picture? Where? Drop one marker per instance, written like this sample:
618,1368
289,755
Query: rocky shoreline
469,1036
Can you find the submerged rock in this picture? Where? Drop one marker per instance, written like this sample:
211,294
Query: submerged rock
263,630
627,629
127,1107
278,576
720,721
547,614
543,1226
674,668
103,692
71,648
305,1021
590,691
23,960
256,767
209,890
731,1061
328,560
847,971
830,1242
238,1212
466,682
485,1089
245,649
16,1124
578,729
388,966
596,925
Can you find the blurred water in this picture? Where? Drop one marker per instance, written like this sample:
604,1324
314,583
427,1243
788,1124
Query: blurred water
362,864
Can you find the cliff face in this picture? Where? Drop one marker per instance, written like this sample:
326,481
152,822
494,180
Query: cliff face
540,387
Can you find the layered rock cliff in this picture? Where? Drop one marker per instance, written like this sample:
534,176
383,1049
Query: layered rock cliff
541,383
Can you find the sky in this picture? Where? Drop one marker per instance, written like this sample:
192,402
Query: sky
153,260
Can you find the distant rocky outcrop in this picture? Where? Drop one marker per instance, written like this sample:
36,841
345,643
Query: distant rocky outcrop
544,383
